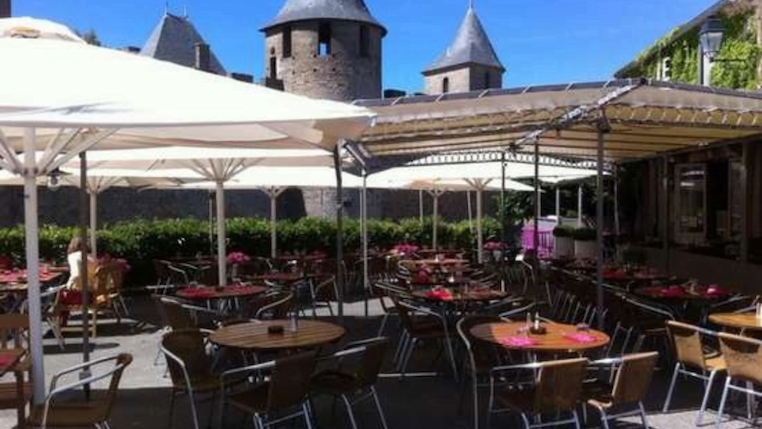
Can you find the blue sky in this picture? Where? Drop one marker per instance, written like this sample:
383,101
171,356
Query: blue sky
539,41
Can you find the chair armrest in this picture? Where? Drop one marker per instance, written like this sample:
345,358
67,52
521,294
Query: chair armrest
245,370
507,368
69,370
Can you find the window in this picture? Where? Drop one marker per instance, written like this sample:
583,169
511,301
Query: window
690,204
324,39
287,42
446,85
273,65
487,83
665,69
364,41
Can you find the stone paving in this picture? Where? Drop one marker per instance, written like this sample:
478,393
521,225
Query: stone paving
416,403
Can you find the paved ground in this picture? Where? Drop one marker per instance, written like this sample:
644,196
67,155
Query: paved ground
416,403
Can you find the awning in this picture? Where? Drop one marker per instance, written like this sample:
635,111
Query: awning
644,118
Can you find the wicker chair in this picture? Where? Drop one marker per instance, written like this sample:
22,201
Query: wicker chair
631,384
287,389
15,395
557,389
94,412
743,357
190,368
338,383
693,361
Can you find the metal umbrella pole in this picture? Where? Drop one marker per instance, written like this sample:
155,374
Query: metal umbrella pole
364,231
339,232
273,194
603,128
537,208
222,276
84,274
503,232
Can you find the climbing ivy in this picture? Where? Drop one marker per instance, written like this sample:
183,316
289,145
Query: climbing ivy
739,46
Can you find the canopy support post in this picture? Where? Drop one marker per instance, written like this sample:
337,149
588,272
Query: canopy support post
580,192
93,221
537,207
273,194
84,275
616,202
435,221
420,206
339,231
603,128
470,216
479,232
222,276
503,217
665,219
33,265
364,231
558,205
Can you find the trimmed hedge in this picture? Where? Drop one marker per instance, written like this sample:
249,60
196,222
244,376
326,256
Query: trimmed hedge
144,240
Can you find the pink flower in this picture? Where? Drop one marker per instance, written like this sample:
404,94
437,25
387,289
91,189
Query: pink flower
237,257
494,245
406,248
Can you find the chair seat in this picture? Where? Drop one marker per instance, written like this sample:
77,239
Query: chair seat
70,415
598,394
334,383
9,395
715,362
251,401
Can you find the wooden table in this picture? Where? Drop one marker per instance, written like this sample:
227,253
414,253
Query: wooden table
254,336
737,320
286,278
471,294
556,340
211,293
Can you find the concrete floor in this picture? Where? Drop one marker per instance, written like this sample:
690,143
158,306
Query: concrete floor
416,403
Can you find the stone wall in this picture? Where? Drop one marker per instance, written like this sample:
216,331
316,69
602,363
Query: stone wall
342,75
464,79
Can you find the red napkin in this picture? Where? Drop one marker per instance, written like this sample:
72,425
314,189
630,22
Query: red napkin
196,292
517,341
715,290
442,294
673,291
6,360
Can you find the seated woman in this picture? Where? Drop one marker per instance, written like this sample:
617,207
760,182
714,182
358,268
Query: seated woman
71,295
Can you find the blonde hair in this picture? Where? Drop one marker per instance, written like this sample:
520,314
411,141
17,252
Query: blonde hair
76,245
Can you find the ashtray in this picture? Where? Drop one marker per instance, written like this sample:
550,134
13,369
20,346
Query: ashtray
275,330
538,331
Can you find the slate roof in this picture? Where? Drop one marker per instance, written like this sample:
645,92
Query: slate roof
471,46
304,10
174,39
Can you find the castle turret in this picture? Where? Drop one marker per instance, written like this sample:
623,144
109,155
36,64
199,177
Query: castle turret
469,63
328,49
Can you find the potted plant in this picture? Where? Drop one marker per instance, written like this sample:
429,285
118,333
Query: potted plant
563,242
585,243
235,259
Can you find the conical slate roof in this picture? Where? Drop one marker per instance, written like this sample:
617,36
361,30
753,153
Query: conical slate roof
304,10
471,45
174,40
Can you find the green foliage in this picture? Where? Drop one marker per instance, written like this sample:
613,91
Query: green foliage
585,234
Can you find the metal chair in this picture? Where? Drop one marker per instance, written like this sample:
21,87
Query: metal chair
556,389
81,413
689,353
337,383
287,388
278,306
743,357
631,384
14,330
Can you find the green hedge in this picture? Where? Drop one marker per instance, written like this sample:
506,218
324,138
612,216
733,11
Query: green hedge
145,240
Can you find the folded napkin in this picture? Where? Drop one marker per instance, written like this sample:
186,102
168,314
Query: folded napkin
580,337
518,341
715,290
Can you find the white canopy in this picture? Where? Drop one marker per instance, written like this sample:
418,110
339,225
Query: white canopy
66,97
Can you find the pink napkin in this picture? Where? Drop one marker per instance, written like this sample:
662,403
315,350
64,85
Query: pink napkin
6,360
443,294
715,290
673,291
518,341
581,338
196,292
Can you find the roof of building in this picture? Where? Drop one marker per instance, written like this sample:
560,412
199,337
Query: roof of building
174,39
675,34
305,10
471,46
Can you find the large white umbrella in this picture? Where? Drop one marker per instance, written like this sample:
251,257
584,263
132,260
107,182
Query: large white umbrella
273,181
65,97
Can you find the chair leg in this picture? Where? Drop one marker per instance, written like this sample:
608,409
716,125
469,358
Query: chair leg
307,415
671,388
451,355
722,402
349,411
749,400
576,420
378,406
643,415
527,423
604,419
194,412
704,402
383,325
171,409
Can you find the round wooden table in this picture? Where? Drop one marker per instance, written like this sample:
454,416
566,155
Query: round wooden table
211,293
471,294
287,277
558,339
747,321
254,335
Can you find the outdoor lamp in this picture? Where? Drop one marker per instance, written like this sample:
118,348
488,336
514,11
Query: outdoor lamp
710,37
54,179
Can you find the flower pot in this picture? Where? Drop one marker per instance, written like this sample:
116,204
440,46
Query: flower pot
585,249
563,247
497,255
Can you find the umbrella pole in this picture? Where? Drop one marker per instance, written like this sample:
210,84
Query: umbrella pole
616,203
84,275
558,205
434,221
210,204
93,222
221,240
420,206
364,224
273,194
537,208
470,217
579,206
599,224
33,265
339,232
479,232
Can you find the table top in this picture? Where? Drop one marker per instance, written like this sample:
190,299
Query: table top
559,337
9,358
679,292
737,320
19,276
444,261
287,277
208,293
460,294
254,335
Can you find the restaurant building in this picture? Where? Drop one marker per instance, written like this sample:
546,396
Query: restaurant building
699,211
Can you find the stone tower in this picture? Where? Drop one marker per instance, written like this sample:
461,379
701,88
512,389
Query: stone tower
5,8
327,49
469,63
